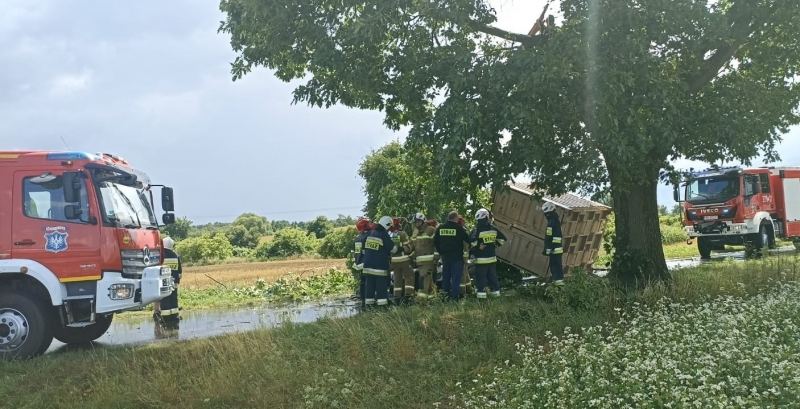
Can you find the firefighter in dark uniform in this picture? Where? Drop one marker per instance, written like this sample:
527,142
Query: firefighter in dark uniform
485,239
552,243
364,227
378,248
170,312
449,241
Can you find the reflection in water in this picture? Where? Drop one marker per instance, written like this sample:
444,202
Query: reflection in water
205,324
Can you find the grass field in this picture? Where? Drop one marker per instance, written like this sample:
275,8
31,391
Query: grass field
245,274
414,357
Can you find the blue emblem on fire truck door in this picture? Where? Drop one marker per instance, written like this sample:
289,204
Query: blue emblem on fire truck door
56,240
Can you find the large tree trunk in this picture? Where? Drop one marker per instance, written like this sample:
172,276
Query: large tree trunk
638,255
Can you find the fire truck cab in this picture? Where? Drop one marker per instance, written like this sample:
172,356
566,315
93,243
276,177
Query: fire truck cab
79,242
735,205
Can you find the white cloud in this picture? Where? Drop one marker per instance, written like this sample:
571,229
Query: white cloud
66,84
169,105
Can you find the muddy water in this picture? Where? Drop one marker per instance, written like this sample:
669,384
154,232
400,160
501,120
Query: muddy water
203,324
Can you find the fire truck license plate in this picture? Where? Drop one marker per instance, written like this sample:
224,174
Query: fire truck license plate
711,217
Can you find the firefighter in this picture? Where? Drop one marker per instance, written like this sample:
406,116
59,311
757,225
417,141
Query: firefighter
170,312
378,248
552,243
401,262
422,250
485,239
364,227
466,283
449,240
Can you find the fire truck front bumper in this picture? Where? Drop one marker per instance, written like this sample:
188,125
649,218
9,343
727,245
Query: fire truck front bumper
717,228
116,293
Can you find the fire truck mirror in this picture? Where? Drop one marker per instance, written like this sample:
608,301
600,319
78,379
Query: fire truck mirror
168,218
167,199
72,187
676,196
72,212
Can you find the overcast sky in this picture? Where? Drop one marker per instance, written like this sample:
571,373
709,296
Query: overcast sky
150,81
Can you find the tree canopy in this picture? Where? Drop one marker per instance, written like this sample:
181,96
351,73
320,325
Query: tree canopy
609,97
401,181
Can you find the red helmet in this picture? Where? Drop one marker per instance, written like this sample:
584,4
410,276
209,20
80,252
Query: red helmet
461,221
363,225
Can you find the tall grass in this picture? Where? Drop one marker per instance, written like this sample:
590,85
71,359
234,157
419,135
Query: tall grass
408,357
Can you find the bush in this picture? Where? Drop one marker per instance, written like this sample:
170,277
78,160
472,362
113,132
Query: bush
287,243
672,234
296,287
243,252
204,248
671,231
339,242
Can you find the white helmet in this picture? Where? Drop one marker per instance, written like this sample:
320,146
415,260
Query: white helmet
386,222
548,207
419,217
482,214
168,243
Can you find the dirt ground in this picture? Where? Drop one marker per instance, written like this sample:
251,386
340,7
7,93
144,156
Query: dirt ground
203,277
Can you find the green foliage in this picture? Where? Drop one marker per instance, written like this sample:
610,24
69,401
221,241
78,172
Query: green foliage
320,227
606,100
672,234
240,236
204,248
288,242
339,243
296,287
178,230
401,180
581,291
343,221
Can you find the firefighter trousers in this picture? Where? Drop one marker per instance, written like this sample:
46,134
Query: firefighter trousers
556,267
403,279
169,307
484,273
452,270
376,289
426,273
465,281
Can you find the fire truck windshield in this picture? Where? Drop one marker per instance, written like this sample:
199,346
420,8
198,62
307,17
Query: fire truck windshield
126,206
715,189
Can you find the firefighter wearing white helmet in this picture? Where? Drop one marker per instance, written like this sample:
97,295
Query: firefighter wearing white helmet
553,243
422,250
169,305
378,248
485,238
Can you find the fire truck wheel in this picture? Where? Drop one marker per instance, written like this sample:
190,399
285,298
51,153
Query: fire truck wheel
25,326
704,247
89,333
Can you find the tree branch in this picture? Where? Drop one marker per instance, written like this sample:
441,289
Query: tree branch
507,35
715,63
742,26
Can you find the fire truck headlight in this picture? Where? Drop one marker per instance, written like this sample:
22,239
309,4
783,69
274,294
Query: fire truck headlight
120,291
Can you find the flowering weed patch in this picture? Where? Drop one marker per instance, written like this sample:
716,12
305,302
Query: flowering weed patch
726,352
296,287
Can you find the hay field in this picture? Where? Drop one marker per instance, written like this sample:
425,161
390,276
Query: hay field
240,274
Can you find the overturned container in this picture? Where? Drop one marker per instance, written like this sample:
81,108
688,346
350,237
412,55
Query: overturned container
519,216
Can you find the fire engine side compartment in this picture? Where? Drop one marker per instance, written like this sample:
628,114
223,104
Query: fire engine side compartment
790,201
5,214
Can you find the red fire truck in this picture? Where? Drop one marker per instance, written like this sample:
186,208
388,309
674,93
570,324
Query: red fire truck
734,205
79,242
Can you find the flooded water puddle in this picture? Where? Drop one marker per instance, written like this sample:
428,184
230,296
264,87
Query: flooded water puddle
675,264
204,324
